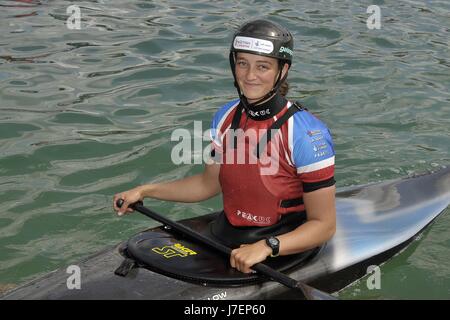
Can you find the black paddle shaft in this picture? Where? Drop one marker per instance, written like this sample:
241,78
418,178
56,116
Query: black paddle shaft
310,293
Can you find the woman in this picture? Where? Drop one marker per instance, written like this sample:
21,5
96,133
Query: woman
284,208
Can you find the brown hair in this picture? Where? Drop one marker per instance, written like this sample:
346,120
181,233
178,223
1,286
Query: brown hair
284,88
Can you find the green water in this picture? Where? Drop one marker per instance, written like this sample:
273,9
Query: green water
88,113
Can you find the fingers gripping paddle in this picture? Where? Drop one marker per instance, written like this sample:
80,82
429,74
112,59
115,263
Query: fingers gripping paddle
307,291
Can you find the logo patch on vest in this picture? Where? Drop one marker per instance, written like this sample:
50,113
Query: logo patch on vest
259,113
253,218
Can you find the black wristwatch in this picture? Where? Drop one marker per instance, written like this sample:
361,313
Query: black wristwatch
274,243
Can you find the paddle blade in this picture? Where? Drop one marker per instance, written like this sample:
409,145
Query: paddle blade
313,293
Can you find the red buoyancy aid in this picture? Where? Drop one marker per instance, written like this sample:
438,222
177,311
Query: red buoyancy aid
257,192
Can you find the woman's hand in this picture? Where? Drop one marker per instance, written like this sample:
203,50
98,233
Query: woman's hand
248,255
129,197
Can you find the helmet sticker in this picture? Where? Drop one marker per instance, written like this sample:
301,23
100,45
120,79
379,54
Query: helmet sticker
253,44
287,50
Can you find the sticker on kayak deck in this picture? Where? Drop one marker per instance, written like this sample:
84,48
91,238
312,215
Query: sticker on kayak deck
175,250
253,44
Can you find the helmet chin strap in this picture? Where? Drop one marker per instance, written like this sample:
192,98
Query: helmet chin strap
247,106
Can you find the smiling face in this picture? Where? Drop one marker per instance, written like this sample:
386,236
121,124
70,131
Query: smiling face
256,75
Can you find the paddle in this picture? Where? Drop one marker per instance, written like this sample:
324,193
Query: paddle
308,292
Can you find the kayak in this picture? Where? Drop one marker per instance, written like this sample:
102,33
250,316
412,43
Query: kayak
374,222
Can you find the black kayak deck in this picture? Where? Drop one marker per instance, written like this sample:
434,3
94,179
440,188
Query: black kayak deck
170,253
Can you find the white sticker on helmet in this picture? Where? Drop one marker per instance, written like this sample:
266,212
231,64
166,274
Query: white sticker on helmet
253,44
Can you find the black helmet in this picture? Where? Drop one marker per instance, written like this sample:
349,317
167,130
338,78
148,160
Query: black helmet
265,38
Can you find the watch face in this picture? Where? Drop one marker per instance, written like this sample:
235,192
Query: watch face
273,241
